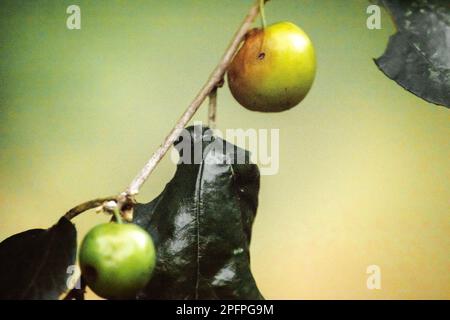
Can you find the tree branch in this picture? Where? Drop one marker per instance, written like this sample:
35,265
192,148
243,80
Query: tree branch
213,82
126,199
91,204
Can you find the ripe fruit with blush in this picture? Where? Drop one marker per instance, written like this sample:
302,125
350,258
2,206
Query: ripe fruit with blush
274,69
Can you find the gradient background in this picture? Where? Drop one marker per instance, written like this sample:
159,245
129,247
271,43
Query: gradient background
364,165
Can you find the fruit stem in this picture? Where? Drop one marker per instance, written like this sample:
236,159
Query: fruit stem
117,216
262,11
212,109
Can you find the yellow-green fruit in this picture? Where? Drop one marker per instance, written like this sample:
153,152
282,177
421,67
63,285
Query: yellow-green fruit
274,69
117,260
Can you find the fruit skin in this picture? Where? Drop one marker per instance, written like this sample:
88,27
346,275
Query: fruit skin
117,260
274,69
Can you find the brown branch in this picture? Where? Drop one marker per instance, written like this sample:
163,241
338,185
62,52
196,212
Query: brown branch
126,199
72,213
212,109
213,82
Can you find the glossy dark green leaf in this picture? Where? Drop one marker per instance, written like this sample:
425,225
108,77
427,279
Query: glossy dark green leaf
418,55
201,223
34,264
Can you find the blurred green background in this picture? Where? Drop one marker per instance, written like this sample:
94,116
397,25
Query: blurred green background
364,165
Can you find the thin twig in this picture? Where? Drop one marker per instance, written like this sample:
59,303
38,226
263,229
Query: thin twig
214,79
72,213
212,109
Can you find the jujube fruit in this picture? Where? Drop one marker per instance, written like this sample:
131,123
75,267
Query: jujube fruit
274,69
117,260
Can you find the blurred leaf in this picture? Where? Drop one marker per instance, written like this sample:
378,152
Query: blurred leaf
418,55
33,264
201,224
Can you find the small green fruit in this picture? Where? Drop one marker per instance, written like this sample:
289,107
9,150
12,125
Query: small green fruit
117,260
274,69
